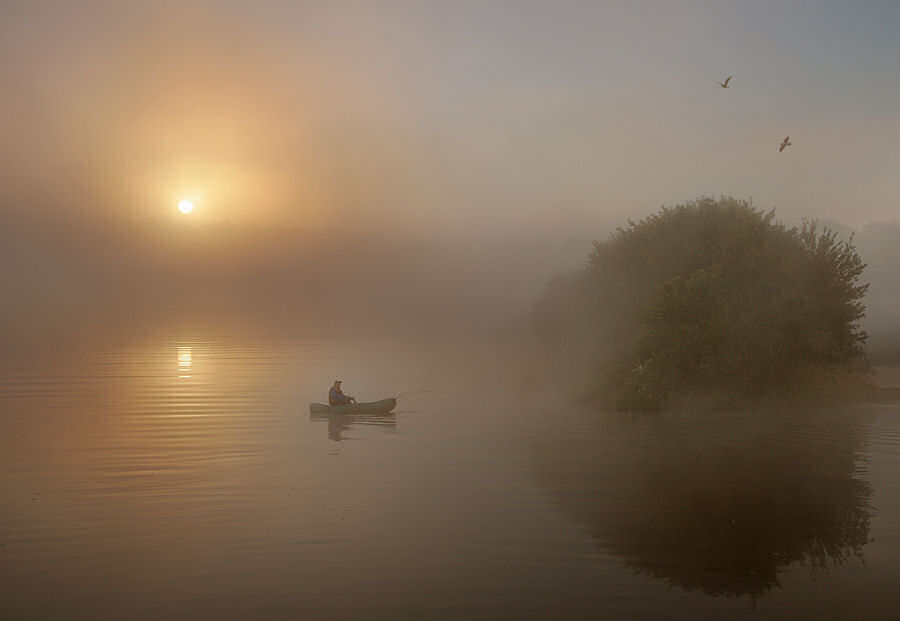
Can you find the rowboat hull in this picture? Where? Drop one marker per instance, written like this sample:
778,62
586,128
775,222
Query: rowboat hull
371,407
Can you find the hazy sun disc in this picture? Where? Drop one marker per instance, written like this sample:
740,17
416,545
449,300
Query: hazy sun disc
185,206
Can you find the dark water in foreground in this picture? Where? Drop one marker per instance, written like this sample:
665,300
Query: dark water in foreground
186,479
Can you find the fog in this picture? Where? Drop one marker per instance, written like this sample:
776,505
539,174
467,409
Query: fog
95,280
408,167
83,278
404,194
879,245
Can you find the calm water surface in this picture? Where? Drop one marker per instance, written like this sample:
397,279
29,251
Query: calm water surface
185,478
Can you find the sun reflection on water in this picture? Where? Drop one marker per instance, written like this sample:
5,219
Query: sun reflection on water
184,362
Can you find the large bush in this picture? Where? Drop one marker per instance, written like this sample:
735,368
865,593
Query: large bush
714,297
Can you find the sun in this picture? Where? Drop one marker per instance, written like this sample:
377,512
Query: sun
185,206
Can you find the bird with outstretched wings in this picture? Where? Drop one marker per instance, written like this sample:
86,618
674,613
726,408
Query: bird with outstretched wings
784,144
725,83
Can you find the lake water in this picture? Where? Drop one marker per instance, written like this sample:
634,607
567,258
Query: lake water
184,478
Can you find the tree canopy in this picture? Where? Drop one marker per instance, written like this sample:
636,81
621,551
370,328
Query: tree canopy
713,296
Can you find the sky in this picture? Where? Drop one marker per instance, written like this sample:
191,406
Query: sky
446,118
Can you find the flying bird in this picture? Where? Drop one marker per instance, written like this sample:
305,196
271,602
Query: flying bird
785,143
725,83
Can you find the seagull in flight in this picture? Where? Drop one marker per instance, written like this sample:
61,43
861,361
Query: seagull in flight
725,83
784,144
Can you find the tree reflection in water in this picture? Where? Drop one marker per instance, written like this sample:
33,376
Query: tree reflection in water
718,502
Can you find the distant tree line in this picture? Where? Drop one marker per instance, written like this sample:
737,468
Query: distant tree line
712,297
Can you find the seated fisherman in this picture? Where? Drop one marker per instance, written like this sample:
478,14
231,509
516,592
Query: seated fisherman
336,396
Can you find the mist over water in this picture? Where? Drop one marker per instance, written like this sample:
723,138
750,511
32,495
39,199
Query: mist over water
185,476
108,278
159,458
405,196
105,278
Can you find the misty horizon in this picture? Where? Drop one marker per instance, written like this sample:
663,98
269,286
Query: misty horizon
100,274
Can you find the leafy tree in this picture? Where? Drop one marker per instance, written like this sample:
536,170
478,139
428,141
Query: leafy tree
713,296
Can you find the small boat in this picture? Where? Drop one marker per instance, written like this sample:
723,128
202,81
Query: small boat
372,407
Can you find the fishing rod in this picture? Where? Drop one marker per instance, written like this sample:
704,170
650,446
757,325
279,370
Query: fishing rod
411,392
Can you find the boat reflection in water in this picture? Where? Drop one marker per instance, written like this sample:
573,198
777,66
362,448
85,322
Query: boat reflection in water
339,423
719,503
